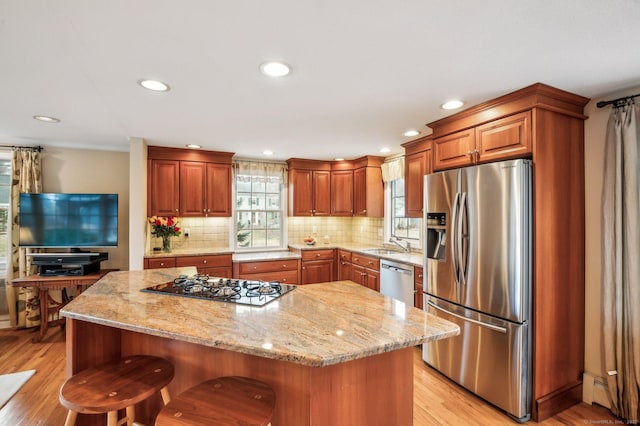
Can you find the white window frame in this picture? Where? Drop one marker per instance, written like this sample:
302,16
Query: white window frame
233,240
388,221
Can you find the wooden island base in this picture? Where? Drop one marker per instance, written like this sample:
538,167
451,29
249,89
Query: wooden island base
376,390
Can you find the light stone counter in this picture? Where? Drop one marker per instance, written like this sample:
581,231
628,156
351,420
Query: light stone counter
190,252
413,258
314,325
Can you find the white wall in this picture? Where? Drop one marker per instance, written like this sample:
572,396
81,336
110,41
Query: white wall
595,131
77,170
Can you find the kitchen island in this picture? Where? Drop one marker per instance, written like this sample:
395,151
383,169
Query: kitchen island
335,353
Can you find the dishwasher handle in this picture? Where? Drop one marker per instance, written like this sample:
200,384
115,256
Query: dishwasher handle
396,269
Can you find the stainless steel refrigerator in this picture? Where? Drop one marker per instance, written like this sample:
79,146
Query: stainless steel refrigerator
477,263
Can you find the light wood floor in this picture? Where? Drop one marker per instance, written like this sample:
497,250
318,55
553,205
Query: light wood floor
437,401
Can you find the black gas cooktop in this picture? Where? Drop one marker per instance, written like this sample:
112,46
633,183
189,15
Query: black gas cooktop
245,292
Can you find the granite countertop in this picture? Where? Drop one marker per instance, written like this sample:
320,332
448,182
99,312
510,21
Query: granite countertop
315,325
414,259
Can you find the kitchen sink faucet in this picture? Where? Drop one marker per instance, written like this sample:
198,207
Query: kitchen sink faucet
397,241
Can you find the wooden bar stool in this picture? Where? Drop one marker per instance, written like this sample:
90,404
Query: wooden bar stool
221,401
114,386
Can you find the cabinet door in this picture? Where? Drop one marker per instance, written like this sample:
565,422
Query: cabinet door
321,193
342,193
164,183
344,270
372,279
416,167
418,280
505,138
317,271
454,150
358,274
368,192
300,193
218,190
192,186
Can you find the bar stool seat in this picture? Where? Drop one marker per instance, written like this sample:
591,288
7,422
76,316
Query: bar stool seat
116,385
223,401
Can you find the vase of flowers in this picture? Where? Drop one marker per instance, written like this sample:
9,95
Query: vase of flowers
165,228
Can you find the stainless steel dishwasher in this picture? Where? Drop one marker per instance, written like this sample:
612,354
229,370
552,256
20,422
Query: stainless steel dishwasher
396,280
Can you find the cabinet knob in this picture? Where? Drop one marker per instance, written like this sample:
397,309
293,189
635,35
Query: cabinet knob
317,254
284,265
419,275
161,263
469,152
284,280
204,261
304,267
254,268
370,262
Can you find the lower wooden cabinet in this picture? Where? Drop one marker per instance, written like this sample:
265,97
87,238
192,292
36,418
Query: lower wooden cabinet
213,265
418,278
218,265
284,271
366,271
159,262
344,266
317,266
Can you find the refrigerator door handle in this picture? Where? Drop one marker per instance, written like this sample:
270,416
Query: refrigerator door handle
463,248
480,323
454,239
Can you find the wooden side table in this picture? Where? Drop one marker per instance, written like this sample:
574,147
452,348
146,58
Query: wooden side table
55,282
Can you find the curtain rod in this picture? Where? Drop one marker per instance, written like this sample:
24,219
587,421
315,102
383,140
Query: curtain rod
32,148
616,102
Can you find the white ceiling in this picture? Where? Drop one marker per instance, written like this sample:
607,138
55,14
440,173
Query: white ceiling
364,71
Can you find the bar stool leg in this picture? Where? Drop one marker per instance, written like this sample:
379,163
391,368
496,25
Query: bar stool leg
71,418
131,415
166,398
112,418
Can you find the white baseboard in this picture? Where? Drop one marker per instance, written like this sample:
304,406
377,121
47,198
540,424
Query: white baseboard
595,390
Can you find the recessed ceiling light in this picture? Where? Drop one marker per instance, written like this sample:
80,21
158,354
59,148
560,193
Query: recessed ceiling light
412,132
156,86
384,150
193,146
46,119
275,69
339,159
267,152
453,104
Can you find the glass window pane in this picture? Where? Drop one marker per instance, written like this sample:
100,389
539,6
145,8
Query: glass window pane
258,187
273,238
273,220
273,202
243,201
242,186
257,202
273,188
259,238
259,220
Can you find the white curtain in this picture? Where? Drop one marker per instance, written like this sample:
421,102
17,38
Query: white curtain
621,260
393,169
259,171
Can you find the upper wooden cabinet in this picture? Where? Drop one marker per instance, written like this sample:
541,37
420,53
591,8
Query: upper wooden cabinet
342,193
417,164
188,183
500,139
340,188
163,183
309,188
368,188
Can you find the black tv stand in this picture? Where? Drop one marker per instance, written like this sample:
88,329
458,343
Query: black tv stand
72,263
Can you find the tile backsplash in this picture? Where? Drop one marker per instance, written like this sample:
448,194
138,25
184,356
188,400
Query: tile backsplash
213,232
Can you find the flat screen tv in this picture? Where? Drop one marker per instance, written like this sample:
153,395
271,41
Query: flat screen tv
68,220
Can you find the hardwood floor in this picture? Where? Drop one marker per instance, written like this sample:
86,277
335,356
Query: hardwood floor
437,401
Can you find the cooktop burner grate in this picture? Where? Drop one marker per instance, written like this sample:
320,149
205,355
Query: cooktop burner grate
245,292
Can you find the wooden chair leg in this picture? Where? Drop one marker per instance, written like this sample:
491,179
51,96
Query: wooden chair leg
112,418
71,418
166,398
131,415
